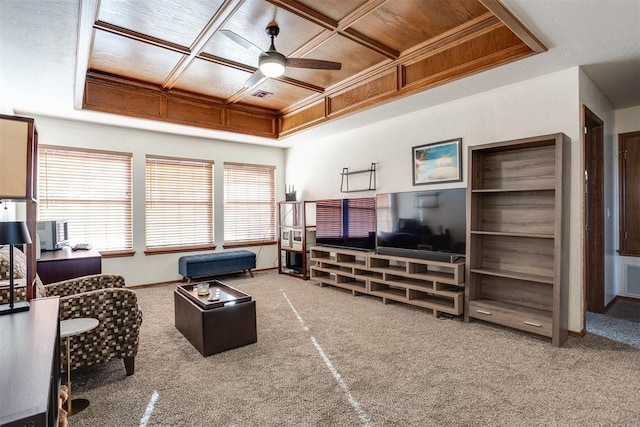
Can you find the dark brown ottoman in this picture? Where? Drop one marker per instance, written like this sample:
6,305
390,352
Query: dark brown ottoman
215,326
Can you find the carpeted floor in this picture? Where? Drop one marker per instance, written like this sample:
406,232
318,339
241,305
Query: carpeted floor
326,358
620,323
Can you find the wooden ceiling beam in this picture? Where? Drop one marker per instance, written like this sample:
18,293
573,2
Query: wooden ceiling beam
305,12
341,27
312,44
144,38
360,12
455,36
226,62
224,13
365,41
517,27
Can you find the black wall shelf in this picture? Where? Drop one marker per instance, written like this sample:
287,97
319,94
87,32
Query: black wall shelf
344,182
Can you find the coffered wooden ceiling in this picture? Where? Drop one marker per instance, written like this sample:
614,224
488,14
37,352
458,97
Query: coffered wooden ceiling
167,59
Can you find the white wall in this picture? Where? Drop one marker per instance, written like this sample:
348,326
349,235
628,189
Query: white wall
540,106
626,120
594,100
141,268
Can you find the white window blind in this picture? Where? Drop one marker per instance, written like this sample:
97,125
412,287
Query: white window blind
91,189
179,203
249,203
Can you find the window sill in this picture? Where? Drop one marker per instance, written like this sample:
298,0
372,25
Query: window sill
227,245
177,249
117,254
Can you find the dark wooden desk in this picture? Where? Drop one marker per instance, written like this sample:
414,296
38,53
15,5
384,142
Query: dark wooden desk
30,368
63,264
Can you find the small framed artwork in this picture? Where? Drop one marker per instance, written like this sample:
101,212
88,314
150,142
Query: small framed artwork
437,162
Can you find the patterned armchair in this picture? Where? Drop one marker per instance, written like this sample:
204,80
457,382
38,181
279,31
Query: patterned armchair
103,297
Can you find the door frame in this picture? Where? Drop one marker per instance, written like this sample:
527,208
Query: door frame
591,123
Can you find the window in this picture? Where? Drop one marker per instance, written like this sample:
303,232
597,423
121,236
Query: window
91,189
249,203
179,204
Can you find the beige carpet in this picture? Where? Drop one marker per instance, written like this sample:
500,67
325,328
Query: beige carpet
360,362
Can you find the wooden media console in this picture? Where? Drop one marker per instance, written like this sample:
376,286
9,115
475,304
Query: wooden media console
435,285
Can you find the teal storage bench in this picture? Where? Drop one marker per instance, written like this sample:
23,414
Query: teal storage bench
216,263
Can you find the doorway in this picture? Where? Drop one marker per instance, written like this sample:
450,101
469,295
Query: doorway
593,212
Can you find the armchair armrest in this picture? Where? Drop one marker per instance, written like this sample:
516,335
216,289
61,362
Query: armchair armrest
102,304
84,284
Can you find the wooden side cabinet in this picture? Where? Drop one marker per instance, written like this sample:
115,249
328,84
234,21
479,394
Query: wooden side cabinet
30,369
64,264
517,235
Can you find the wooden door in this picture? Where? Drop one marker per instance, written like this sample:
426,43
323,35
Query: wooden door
629,182
594,211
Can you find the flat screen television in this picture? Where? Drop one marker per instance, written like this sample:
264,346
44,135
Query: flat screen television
422,224
346,223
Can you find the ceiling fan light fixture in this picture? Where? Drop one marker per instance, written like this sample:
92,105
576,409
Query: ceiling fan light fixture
272,64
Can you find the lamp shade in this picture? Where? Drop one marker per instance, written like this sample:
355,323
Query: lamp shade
14,233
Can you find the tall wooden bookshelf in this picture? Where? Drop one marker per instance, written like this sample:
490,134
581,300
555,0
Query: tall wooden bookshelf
517,235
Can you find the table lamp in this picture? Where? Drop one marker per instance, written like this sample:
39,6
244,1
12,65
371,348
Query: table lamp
13,233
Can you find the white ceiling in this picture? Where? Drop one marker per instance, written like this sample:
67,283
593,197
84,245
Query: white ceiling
38,59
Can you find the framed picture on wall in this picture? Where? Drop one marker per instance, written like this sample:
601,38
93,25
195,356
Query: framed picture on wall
437,162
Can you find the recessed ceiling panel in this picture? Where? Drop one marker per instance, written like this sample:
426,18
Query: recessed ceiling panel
223,47
334,9
175,21
275,94
365,36
131,59
354,57
212,79
402,24
250,22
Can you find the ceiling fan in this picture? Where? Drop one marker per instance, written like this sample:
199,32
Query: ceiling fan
272,63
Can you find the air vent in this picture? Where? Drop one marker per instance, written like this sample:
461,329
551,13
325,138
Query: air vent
261,94
633,280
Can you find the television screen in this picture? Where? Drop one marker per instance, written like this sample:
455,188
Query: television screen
349,223
422,224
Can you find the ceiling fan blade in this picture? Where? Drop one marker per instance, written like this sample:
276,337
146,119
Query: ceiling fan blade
316,64
242,41
254,79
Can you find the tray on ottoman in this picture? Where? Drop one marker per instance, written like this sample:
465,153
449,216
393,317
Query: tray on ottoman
225,293
215,326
